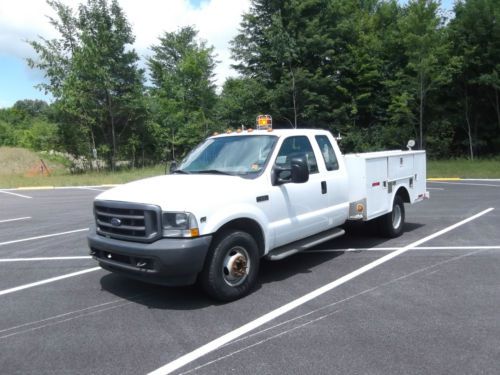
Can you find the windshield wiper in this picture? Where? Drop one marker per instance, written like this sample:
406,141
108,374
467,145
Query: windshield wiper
181,171
214,171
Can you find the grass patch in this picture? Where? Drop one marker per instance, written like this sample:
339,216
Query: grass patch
16,160
463,168
92,178
19,167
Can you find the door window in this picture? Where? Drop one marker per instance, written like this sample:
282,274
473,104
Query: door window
328,153
297,147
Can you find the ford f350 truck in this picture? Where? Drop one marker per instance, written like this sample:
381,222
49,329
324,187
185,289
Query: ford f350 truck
242,196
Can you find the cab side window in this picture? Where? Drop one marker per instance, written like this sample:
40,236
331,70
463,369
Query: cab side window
328,153
297,146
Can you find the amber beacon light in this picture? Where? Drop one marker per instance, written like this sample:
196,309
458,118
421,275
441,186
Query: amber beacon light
264,122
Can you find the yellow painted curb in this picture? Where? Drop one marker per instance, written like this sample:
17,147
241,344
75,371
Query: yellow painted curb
444,179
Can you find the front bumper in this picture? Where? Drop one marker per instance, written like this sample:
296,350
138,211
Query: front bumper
167,261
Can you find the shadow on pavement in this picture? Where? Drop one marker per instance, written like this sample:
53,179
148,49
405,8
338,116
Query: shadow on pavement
272,271
156,296
362,235
358,235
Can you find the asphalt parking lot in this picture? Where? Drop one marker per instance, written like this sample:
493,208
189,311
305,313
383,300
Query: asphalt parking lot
426,302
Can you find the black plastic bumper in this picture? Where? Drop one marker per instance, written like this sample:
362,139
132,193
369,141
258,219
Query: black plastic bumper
168,261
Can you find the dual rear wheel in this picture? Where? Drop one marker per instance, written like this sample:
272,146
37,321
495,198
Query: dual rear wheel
391,224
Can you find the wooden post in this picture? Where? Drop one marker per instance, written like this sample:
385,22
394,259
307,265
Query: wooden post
44,166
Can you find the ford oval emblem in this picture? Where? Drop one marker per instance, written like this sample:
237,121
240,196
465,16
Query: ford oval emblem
116,222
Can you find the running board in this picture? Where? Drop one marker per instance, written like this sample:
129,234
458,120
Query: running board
304,244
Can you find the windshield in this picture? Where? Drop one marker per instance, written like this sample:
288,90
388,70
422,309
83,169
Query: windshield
238,155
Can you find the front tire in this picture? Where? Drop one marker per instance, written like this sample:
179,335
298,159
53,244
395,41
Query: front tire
391,224
232,266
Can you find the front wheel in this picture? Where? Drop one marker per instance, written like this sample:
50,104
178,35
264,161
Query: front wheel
231,267
392,223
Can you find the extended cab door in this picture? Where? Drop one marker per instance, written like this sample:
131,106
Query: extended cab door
335,179
299,210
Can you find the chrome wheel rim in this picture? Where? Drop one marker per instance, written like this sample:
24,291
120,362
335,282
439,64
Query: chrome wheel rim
396,216
236,266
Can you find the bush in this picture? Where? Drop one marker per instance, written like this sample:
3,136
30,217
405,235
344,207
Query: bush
41,136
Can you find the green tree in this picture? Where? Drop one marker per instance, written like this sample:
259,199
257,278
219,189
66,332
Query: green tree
240,102
32,107
427,49
7,137
93,76
323,62
183,92
27,124
475,33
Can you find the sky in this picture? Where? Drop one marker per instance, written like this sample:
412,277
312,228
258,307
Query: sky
216,20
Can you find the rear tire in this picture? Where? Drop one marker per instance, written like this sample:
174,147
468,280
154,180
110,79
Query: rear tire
232,266
391,224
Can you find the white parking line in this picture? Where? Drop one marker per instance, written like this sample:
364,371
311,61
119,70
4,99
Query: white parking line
8,260
44,236
480,179
217,343
46,281
354,249
458,248
60,187
89,188
17,195
16,219
429,188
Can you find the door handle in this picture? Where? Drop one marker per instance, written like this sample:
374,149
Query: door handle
323,187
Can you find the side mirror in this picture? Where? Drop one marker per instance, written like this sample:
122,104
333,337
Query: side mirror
172,167
300,171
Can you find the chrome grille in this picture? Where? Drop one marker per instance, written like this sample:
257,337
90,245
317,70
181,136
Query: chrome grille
127,221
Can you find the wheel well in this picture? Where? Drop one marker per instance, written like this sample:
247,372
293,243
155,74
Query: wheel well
251,227
403,193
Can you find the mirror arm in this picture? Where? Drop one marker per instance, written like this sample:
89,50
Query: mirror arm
173,166
276,180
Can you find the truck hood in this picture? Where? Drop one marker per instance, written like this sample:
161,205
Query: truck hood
180,192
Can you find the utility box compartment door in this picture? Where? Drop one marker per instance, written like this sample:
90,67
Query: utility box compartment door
377,197
400,166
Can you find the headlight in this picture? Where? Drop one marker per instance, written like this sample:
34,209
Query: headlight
179,224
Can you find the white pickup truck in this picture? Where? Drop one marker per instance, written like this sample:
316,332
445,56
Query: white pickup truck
245,195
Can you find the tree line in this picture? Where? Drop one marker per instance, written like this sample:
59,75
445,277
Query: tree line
376,72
